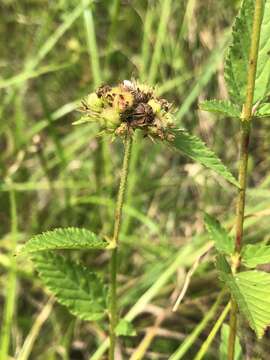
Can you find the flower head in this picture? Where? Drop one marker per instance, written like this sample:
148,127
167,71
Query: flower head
127,107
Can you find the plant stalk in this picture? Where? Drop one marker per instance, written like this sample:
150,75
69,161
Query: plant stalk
114,256
246,118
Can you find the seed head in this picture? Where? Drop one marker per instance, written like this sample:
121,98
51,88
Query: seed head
127,107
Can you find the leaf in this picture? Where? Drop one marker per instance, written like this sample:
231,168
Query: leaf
74,286
262,84
237,60
196,149
65,238
223,242
125,328
223,348
253,255
263,110
222,264
251,291
221,107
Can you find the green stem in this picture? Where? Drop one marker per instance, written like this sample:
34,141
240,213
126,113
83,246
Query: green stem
114,262
205,346
244,144
11,283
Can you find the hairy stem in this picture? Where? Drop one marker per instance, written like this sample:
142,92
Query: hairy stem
117,227
243,162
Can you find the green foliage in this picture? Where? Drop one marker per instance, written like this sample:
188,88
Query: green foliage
236,65
74,286
222,264
125,328
262,84
65,238
221,107
251,290
253,255
196,149
223,242
263,110
223,348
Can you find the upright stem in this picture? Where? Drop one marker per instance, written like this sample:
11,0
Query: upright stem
243,162
117,227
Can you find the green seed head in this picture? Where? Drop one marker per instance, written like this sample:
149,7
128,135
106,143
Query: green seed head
127,107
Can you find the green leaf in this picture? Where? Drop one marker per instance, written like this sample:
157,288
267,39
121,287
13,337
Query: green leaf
223,349
221,107
236,63
251,291
65,238
74,286
125,328
237,60
222,264
196,149
262,84
253,255
263,110
223,242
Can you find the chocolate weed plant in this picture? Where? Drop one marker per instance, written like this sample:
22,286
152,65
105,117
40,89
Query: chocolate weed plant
130,107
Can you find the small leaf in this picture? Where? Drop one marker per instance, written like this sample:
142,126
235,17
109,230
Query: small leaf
263,110
262,84
65,238
223,348
74,286
251,291
237,60
125,328
221,107
236,63
253,255
196,149
223,242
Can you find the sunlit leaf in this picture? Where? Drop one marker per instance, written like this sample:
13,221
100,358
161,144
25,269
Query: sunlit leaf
221,107
223,242
253,255
65,238
74,286
251,291
196,149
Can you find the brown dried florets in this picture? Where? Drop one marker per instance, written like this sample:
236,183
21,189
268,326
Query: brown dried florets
129,106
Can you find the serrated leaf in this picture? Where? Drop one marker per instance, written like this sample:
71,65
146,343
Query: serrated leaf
196,149
223,348
251,291
262,84
237,60
74,286
221,107
65,238
125,328
253,255
223,242
263,110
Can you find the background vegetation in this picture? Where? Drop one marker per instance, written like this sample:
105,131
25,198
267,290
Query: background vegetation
52,54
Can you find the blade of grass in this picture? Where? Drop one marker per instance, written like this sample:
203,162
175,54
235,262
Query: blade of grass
10,299
193,336
28,344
